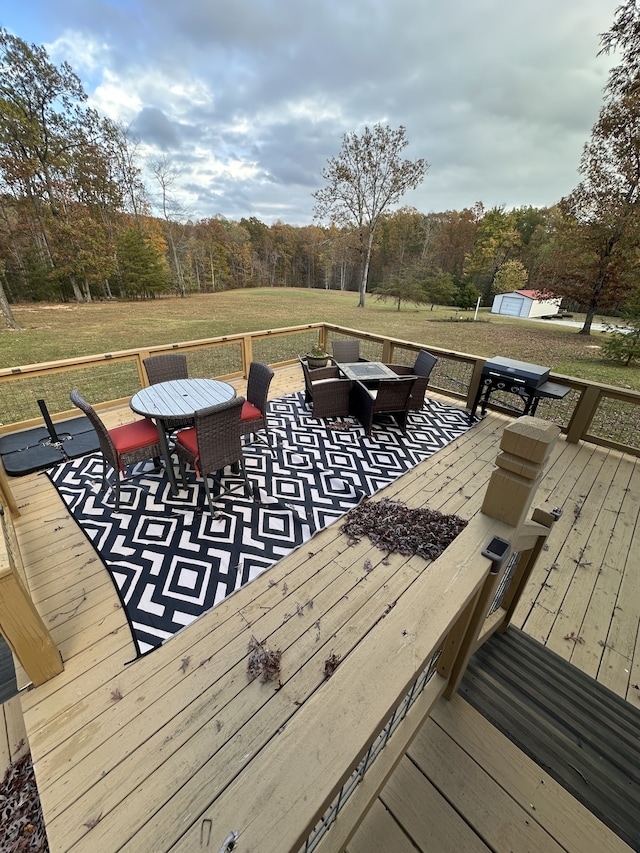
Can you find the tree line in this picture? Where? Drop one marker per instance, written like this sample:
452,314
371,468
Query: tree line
76,220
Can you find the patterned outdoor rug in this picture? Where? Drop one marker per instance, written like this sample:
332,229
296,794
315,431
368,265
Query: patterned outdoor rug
171,561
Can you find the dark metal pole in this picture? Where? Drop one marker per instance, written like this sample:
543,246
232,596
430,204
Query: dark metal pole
48,422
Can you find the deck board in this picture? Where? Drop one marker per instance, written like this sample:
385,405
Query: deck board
188,701
465,771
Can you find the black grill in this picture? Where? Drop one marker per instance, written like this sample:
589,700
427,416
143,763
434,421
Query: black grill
527,381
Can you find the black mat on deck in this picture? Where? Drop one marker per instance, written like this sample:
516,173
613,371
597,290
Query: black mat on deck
584,735
35,449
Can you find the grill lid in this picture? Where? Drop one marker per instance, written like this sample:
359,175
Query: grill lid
532,374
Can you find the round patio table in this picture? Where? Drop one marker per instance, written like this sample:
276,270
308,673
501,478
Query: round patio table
178,399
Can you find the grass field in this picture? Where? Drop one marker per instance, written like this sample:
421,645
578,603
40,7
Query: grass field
51,331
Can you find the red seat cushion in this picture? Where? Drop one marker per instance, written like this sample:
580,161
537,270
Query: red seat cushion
250,412
189,440
134,435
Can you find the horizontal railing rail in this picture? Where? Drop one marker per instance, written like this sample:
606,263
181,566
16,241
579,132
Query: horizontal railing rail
592,412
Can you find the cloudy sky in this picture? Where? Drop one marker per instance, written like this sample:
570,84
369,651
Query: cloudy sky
247,99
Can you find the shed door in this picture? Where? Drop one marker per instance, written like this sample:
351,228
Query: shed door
512,305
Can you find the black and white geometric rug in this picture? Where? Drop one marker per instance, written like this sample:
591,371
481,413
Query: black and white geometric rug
171,561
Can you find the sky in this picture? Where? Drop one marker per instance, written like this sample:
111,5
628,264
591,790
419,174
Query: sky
246,100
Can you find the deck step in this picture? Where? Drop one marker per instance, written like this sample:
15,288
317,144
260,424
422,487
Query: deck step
580,732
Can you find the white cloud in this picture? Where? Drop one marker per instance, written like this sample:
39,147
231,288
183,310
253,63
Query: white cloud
250,99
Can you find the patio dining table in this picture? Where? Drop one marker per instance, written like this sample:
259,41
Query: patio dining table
181,399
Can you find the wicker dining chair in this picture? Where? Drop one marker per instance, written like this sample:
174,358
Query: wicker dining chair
391,397
213,444
424,364
254,410
121,446
164,368
347,351
326,391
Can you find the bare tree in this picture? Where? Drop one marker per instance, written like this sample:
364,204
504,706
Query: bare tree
5,308
364,181
165,174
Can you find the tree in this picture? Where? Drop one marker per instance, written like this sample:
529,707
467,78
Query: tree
440,289
624,35
623,345
402,288
594,258
496,240
165,174
365,180
511,275
143,269
5,308
60,179
468,297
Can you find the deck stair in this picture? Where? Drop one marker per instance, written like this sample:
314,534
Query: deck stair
581,733
8,685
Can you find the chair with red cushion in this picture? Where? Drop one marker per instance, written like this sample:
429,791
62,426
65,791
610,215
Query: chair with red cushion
213,444
254,410
122,446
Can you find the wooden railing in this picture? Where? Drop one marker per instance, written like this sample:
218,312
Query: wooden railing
427,638
20,623
600,414
293,797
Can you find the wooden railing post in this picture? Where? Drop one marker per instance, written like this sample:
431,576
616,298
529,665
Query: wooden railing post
525,448
474,382
387,352
526,563
20,623
7,498
247,354
583,413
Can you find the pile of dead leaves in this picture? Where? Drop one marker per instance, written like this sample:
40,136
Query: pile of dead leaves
263,662
20,812
392,526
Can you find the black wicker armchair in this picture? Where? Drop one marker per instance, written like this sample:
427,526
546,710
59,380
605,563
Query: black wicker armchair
391,397
213,444
122,446
326,391
424,364
347,351
164,368
254,411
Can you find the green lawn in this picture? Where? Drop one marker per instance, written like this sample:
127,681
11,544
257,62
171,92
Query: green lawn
50,332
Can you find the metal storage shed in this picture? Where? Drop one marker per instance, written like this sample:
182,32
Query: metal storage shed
523,303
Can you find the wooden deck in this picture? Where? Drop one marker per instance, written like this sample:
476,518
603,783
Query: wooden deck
123,753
